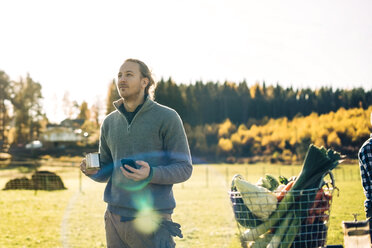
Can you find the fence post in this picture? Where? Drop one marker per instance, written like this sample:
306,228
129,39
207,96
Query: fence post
343,174
207,175
80,181
351,174
35,184
227,175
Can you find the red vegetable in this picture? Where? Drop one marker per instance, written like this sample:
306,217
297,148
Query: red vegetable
280,195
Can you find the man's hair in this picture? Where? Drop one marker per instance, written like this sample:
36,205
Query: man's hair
146,73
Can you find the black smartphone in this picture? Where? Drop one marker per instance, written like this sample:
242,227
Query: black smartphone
129,162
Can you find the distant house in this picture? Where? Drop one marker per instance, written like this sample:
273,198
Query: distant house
67,133
72,123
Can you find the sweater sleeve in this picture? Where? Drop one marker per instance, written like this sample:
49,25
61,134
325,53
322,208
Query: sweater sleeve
106,162
179,167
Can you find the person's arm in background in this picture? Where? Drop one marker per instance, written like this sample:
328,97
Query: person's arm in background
179,167
365,163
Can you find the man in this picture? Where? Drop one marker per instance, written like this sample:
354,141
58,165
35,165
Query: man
140,199
365,164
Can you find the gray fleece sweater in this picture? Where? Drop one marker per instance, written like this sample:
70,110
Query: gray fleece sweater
155,135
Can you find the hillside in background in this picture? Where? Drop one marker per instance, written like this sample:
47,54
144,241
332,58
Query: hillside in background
281,139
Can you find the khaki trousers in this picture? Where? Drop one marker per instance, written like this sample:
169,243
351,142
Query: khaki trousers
125,235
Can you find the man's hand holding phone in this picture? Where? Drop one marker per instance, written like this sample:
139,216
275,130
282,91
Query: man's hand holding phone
135,170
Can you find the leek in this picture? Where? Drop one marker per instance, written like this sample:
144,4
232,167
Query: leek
280,231
262,241
290,236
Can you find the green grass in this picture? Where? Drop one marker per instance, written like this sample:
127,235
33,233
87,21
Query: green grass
70,218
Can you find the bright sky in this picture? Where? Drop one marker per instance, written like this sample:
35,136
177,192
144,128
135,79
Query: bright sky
79,45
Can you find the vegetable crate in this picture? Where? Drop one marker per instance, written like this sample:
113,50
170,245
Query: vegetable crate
300,222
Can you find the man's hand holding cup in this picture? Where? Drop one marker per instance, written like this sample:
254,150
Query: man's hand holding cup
90,164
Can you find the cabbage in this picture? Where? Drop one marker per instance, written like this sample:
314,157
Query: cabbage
259,200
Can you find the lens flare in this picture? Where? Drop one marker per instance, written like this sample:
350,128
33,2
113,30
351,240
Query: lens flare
147,221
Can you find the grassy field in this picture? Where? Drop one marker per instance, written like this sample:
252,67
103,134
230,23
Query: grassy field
74,217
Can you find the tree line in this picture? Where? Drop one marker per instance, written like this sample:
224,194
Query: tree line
206,103
214,113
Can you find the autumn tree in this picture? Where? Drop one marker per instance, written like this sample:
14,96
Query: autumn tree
4,96
112,96
70,108
84,112
26,99
96,111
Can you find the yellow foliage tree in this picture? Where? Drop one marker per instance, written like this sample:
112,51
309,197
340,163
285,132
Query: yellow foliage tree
225,145
342,129
333,140
226,128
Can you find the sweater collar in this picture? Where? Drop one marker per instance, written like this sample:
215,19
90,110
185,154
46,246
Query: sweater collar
145,104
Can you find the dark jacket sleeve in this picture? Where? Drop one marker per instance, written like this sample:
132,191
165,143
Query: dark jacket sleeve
365,164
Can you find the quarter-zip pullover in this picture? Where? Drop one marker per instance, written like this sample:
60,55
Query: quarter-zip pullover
155,135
